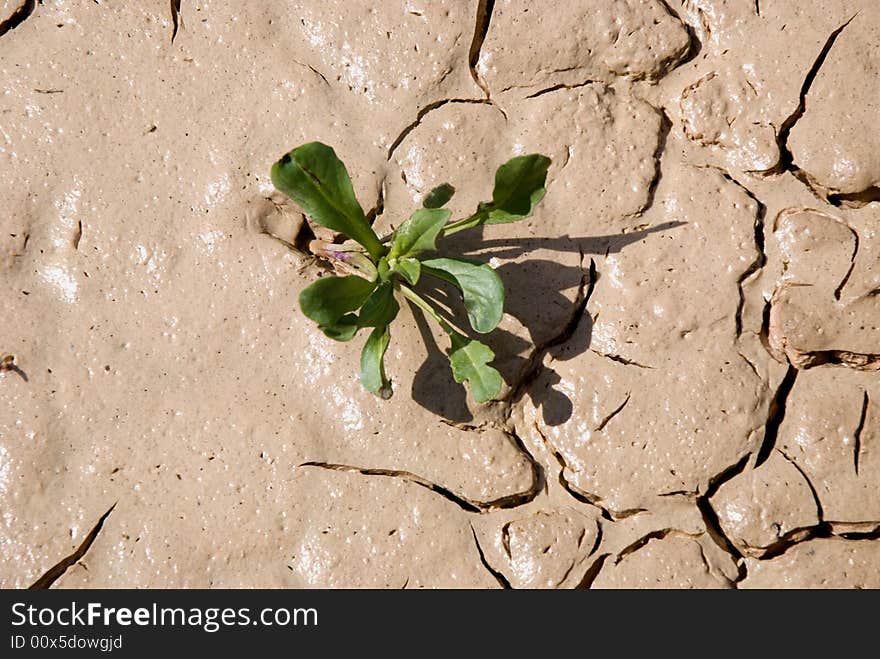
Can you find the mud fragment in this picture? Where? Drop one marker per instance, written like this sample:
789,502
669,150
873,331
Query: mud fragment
360,531
822,310
741,102
832,433
764,506
531,49
671,561
649,313
722,111
819,563
541,550
829,142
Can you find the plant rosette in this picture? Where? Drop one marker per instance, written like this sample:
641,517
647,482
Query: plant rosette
377,270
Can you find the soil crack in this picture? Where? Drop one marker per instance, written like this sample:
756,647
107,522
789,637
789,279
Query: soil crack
466,504
786,159
176,20
77,234
461,502
859,361
760,259
499,577
710,517
620,360
425,111
660,534
613,414
662,139
592,573
485,8
57,571
855,199
18,17
578,494
559,86
7,364
379,208
776,415
852,265
819,512
534,364
857,436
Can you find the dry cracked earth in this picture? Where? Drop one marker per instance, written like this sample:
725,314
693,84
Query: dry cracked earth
691,342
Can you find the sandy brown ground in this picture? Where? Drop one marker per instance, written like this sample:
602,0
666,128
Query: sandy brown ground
692,337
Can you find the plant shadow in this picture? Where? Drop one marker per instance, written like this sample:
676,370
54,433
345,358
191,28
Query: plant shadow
534,297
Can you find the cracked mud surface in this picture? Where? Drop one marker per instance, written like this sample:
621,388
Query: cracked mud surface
691,343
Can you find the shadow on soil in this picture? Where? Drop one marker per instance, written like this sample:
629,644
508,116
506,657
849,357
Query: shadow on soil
534,297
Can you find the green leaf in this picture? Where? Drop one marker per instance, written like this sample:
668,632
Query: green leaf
327,300
481,288
380,308
409,268
314,177
439,196
383,269
519,186
419,232
372,363
343,330
470,362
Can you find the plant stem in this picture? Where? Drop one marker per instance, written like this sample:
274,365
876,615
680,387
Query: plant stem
371,243
460,225
425,306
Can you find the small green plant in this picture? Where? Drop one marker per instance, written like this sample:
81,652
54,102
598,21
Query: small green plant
314,177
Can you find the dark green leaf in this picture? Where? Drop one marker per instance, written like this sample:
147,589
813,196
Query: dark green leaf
481,288
380,308
439,196
419,232
314,177
330,298
343,330
409,268
372,363
519,186
470,362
